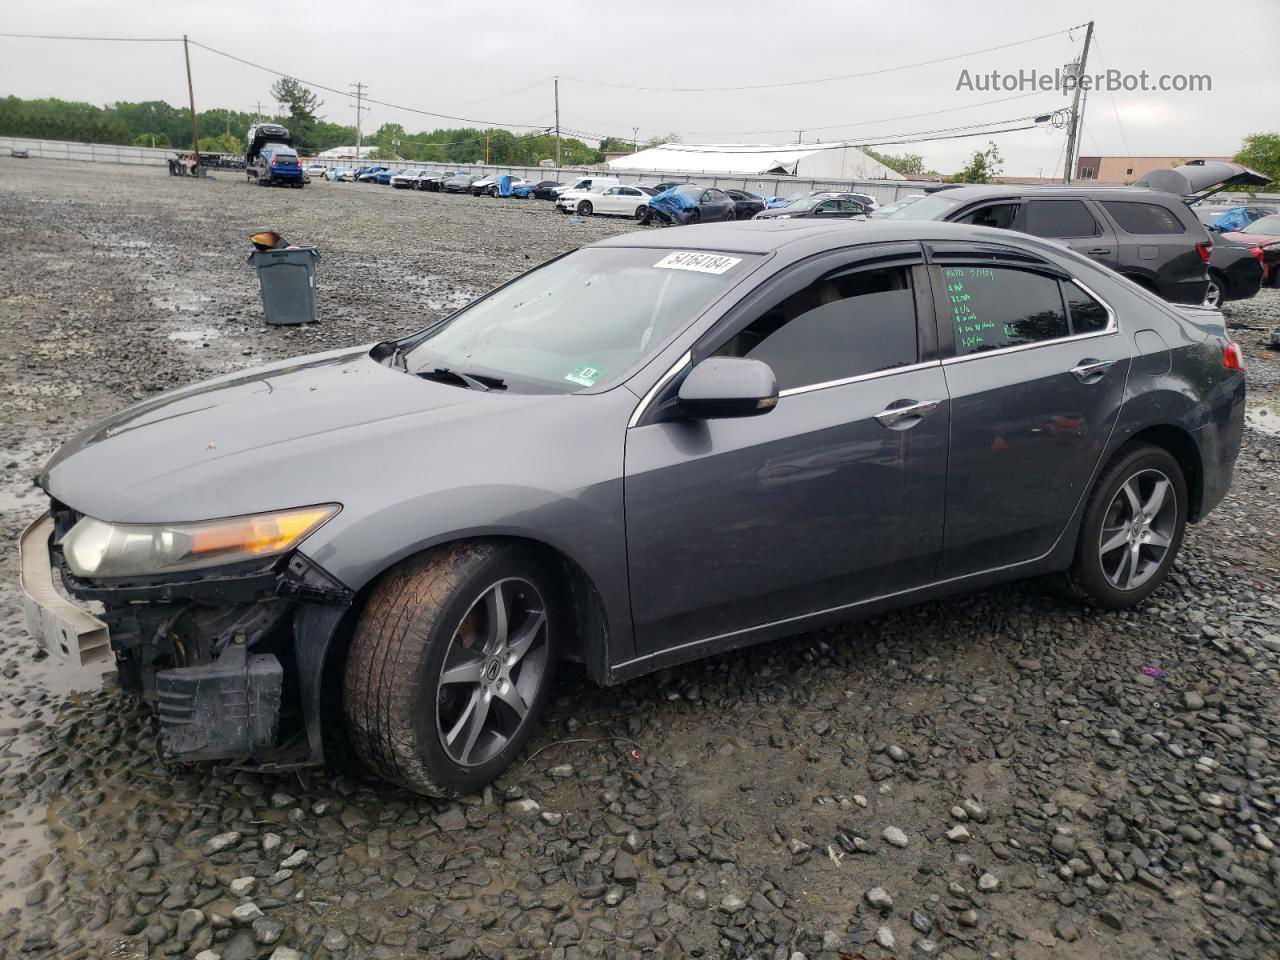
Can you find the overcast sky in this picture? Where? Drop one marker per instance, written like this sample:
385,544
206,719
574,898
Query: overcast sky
465,59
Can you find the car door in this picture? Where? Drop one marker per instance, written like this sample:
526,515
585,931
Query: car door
628,199
1035,369
1156,247
825,209
834,496
607,201
1073,222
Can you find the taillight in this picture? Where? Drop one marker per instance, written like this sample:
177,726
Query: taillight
1232,358
1203,250
1257,254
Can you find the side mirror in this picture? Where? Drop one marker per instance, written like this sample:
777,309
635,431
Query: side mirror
728,387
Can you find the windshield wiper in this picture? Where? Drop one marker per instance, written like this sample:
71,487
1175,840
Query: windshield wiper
471,381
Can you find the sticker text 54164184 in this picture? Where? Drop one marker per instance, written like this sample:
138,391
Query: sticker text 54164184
701,262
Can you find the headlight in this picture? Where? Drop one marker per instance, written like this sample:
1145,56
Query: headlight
97,549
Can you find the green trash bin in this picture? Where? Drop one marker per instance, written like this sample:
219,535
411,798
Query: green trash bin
287,279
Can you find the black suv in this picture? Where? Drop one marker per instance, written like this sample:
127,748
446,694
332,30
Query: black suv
1146,232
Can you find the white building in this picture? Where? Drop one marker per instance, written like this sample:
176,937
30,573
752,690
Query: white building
810,161
347,153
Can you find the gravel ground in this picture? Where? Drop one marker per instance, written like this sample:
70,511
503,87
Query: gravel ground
995,775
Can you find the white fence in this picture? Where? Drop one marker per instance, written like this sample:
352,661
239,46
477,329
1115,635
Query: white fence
100,152
884,191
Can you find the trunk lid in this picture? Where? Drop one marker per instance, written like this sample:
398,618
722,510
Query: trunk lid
1198,179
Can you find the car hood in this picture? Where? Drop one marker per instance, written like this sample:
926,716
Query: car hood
258,440
770,212
1202,178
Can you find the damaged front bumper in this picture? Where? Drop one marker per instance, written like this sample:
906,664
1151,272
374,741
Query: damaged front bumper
229,660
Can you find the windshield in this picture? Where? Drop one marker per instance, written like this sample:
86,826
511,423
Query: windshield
581,321
806,203
935,207
1269,226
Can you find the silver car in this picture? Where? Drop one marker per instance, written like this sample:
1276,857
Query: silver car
656,448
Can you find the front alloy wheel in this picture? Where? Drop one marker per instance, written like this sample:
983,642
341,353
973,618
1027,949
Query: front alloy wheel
451,664
492,671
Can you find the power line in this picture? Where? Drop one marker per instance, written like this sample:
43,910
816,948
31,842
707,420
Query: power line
846,76
344,93
1114,108
834,126
913,136
499,96
63,36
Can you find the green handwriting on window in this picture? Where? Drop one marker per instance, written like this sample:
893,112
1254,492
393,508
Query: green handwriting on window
970,329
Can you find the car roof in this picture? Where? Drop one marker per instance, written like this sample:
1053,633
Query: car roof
797,238
998,190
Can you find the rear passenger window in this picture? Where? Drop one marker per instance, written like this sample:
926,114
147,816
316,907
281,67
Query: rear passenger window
839,327
1060,218
999,215
1087,314
1145,218
991,308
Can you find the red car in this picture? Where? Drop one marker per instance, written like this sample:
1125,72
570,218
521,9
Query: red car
1264,235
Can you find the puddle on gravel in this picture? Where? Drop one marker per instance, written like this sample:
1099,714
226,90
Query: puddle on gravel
195,336
440,293
1263,417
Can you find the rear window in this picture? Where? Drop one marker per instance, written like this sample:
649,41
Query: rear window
1060,218
1143,218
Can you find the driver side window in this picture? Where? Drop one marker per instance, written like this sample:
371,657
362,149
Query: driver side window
841,326
999,215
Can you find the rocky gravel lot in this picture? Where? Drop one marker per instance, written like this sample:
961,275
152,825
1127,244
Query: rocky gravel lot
998,775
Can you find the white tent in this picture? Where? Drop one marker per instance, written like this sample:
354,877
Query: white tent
814,161
347,153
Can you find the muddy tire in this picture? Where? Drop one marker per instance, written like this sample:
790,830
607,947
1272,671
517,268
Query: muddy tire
1131,530
450,666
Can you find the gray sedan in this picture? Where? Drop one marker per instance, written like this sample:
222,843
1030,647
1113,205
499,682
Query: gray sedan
656,448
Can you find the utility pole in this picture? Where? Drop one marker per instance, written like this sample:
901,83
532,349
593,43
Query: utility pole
191,94
1077,114
635,137
486,148
258,115
799,136
557,121
360,92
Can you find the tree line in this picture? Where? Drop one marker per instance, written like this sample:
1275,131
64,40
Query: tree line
160,124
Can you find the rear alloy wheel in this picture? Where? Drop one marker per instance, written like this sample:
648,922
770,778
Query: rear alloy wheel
1131,530
730,216
584,208
493,191
1216,292
642,212
451,665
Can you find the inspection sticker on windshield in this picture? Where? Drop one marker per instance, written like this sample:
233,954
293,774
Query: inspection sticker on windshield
701,262
585,376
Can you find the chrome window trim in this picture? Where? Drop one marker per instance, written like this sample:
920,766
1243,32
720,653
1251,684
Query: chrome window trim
653,391
1112,327
873,375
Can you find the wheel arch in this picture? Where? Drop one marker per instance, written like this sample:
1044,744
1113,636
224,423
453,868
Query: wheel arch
323,636
1178,443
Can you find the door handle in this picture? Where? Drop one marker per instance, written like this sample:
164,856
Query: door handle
1091,371
1098,251
904,417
